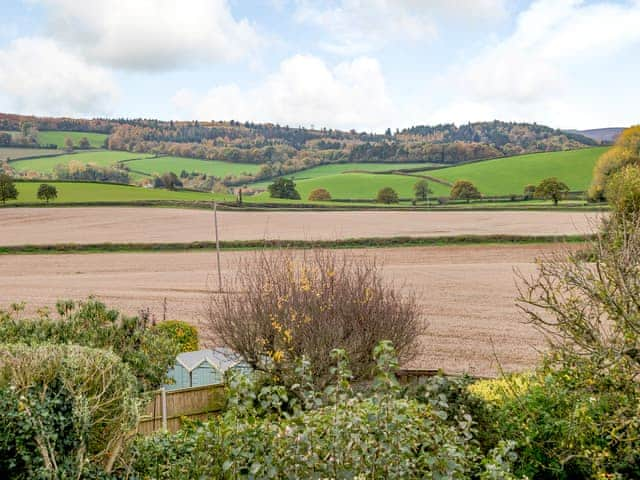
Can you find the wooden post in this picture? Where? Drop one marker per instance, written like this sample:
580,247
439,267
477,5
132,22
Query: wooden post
163,394
215,222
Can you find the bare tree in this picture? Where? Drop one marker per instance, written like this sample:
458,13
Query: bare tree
291,305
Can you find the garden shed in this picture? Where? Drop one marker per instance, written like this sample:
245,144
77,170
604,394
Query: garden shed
204,367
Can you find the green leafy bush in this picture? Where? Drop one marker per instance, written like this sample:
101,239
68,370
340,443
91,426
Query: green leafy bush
181,333
148,352
343,434
65,410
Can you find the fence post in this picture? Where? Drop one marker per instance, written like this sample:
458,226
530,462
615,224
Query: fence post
163,394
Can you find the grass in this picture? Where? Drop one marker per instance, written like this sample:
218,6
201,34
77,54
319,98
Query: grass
509,175
361,186
302,244
337,168
103,158
12,153
177,164
80,192
96,140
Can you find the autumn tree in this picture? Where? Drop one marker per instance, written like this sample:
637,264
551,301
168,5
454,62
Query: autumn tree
464,190
529,191
68,144
623,191
320,195
387,195
47,192
626,151
552,189
284,188
8,190
84,143
422,190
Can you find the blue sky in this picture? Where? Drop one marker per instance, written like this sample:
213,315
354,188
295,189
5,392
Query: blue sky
363,64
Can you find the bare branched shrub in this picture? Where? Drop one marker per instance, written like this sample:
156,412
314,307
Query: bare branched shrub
291,305
591,310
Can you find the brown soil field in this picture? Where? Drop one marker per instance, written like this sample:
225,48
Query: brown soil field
466,292
82,225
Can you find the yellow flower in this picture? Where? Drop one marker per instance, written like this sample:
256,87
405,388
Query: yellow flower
278,355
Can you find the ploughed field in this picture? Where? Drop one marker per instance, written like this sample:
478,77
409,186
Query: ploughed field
92,225
466,293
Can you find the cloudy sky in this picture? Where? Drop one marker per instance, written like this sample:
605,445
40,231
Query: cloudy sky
364,64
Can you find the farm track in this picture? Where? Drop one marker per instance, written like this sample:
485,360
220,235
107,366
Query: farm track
122,225
466,293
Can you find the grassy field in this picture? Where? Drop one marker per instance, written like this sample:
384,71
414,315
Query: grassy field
100,157
359,186
509,175
96,140
77,192
13,153
177,164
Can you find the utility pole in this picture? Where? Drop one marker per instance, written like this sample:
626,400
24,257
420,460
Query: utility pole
215,223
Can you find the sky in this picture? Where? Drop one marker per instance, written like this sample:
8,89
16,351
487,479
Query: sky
362,64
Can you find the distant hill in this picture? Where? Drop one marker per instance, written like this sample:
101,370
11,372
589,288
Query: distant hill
601,135
283,150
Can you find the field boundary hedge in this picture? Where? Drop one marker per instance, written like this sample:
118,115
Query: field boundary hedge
374,242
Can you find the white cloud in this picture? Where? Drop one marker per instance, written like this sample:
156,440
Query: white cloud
551,40
304,91
38,77
151,35
358,26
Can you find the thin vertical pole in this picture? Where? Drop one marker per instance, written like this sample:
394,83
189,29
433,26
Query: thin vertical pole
215,222
163,394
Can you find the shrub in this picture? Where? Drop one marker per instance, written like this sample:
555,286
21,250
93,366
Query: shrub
284,188
529,192
292,306
464,190
146,351
320,195
8,190
181,333
66,410
348,435
623,191
387,195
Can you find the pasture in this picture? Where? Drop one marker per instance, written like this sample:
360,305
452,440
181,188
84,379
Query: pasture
80,192
160,165
103,158
509,175
96,140
12,153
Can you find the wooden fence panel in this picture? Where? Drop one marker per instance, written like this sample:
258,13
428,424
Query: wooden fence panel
195,403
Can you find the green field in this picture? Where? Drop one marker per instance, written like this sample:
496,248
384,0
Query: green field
362,186
337,168
509,175
177,164
78,192
11,153
96,140
100,157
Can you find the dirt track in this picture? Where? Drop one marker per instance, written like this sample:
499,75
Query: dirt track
467,293
38,226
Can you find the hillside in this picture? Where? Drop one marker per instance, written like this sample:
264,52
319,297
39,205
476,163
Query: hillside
601,135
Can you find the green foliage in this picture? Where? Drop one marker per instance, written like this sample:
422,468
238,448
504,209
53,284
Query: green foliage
422,190
181,333
320,195
65,410
464,190
8,190
146,351
342,434
552,189
623,191
168,180
387,195
529,191
47,192
284,188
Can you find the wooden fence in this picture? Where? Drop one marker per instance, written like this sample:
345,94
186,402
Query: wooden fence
169,408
